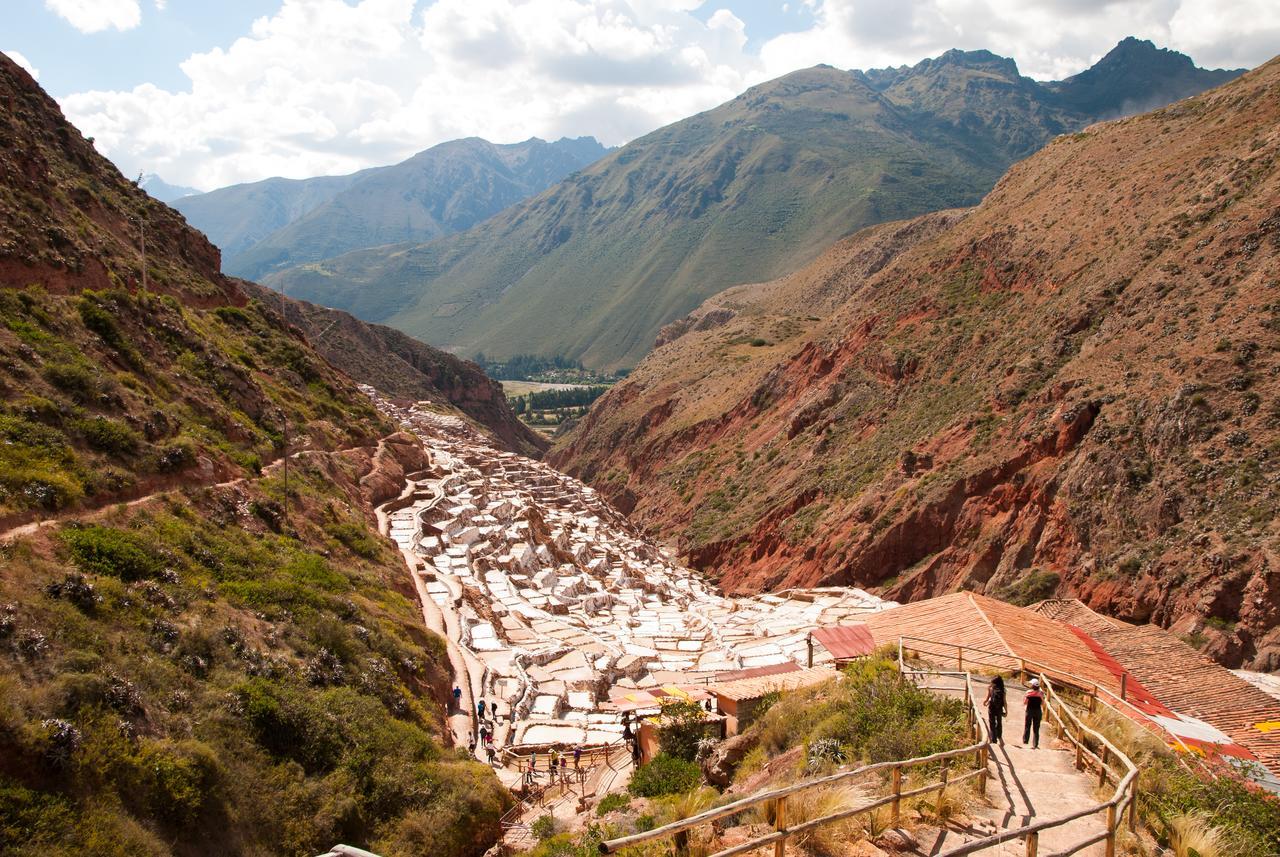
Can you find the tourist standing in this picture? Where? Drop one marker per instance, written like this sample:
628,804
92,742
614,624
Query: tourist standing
457,698
997,710
480,709
577,758
1035,710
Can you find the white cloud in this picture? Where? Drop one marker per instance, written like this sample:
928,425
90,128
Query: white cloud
24,62
92,16
325,86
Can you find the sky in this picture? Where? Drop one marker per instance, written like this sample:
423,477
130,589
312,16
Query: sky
208,94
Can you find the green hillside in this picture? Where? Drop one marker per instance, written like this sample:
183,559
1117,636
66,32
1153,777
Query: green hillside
754,188
439,191
201,651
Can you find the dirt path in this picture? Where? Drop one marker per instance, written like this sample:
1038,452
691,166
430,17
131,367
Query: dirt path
443,622
1029,786
178,484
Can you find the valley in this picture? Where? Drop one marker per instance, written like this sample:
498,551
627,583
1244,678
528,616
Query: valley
740,477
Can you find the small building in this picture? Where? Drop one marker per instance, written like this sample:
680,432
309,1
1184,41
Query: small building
844,643
739,699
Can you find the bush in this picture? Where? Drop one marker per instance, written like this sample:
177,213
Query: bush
543,827
175,781
107,435
76,379
612,802
665,775
684,725
115,553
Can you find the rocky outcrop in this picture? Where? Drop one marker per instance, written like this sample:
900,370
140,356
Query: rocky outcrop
1065,390
404,368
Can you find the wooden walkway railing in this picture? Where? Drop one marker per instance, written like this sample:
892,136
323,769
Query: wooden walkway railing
1091,748
777,798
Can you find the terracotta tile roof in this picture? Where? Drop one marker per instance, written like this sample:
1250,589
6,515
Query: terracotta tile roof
1191,683
976,621
952,618
754,688
845,641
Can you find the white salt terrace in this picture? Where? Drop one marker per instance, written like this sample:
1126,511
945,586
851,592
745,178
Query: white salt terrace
565,603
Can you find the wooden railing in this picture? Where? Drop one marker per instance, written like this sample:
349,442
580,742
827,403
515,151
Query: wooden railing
1025,668
559,785
777,798
1091,748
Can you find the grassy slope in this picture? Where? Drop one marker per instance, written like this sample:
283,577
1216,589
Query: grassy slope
1075,381
171,669
437,192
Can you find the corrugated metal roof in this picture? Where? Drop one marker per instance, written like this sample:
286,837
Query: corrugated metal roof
845,641
755,688
756,672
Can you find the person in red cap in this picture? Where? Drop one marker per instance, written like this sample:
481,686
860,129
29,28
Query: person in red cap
1034,712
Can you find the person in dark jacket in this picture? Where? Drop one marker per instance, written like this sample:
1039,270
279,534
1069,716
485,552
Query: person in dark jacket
1035,711
997,710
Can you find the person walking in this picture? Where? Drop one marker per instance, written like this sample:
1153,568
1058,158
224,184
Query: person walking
1034,712
577,758
997,709
457,698
480,709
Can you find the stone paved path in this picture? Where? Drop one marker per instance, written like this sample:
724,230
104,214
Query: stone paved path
1028,786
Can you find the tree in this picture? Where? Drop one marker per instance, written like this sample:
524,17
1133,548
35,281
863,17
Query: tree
684,724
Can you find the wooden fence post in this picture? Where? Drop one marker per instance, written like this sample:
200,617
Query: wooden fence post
897,793
960,658
1111,831
780,823
942,792
1102,767
982,765
1033,844
1133,809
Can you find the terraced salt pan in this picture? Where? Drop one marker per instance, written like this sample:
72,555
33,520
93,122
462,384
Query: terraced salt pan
577,601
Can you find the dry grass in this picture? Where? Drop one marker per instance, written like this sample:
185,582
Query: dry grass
1193,835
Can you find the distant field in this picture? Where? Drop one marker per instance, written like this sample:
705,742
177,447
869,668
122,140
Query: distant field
523,388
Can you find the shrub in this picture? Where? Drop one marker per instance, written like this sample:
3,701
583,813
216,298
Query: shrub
174,781
108,551
612,802
543,827
107,435
77,379
665,775
684,725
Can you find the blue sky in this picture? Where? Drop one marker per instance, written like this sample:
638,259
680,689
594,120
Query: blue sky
213,92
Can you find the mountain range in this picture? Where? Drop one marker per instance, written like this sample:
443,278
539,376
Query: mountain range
278,223
1071,390
163,191
594,266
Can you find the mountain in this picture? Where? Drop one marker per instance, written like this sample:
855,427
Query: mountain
1071,389
754,188
403,368
238,217
1136,76
162,190
442,190
182,617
